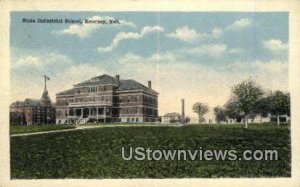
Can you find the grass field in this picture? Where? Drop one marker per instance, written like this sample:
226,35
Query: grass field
96,153
37,128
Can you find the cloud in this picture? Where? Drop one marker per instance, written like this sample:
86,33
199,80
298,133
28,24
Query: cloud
261,67
240,24
130,35
212,50
274,45
273,66
34,61
84,30
187,34
216,32
27,61
236,50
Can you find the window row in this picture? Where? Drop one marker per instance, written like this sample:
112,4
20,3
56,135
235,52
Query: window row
93,89
137,98
135,110
121,99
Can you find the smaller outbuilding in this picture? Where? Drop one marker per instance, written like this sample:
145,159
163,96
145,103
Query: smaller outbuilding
172,118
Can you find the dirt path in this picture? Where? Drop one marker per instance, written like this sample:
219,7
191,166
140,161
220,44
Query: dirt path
95,126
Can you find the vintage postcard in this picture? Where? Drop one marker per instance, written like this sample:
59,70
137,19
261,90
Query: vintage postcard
111,95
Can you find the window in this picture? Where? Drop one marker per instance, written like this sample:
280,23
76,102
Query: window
115,111
71,112
93,89
93,111
134,111
100,111
120,99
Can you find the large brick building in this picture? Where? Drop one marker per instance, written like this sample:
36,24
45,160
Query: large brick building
107,99
33,111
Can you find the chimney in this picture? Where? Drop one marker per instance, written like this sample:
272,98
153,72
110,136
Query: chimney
182,108
149,84
118,78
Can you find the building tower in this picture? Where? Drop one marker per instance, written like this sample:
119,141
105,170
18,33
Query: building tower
45,96
47,114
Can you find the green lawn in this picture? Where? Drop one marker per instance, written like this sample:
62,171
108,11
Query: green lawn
96,153
37,128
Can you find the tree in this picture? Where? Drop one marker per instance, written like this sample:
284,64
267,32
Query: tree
279,104
187,119
247,93
220,114
200,109
232,110
262,106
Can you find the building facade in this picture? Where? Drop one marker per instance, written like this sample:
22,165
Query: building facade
33,111
107,99
172,118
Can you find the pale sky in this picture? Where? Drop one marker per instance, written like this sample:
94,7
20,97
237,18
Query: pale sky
196,56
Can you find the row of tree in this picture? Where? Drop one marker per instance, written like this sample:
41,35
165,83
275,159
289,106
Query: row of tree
247,101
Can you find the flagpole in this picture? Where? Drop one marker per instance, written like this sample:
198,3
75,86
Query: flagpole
46,78
45,82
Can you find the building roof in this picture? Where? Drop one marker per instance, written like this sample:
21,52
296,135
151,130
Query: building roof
66,92
123,85
27,102
173,114
32,102
102,79
17,104
131,85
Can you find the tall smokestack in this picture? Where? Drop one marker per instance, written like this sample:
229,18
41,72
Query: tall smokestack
149,84
118,78
182,110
